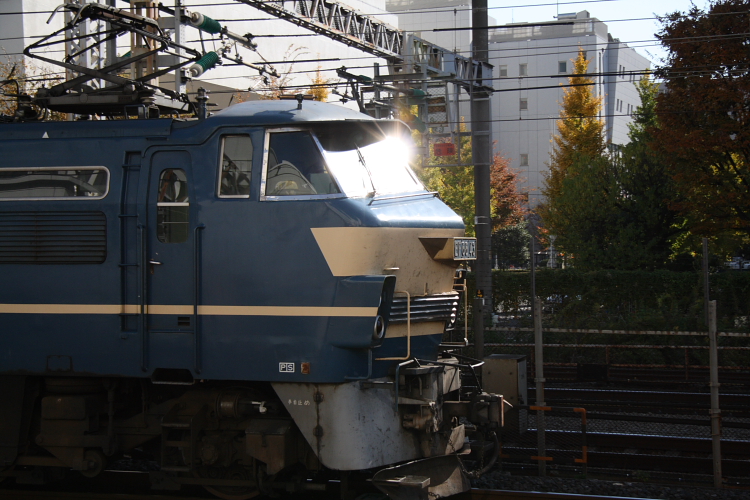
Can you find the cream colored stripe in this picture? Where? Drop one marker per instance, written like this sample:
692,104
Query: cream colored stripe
287,311
188,310
398,330
161,309
131,309
63,308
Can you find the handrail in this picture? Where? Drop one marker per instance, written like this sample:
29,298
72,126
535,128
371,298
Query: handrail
463,287
197,248
142,326
408,331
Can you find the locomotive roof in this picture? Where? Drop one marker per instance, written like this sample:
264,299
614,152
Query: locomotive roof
285,111
253,113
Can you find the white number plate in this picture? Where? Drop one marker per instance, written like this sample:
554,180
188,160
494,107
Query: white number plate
286,367
464,248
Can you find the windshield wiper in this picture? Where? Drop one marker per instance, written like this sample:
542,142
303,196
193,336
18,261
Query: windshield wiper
361,157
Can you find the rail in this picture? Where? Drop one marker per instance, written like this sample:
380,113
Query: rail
476,494
617,332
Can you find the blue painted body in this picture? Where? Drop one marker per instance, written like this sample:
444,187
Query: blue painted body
239,252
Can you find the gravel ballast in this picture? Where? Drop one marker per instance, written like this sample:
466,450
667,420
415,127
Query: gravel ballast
503,481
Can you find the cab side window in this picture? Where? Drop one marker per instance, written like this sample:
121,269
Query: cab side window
235,166
173,206
296,166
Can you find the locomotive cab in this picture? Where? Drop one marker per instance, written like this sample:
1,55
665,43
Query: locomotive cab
239,296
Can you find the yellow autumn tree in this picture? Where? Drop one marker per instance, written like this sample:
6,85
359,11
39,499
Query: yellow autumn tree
320,88
580,131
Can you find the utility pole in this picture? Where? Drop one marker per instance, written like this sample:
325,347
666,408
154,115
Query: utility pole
714,383
482,152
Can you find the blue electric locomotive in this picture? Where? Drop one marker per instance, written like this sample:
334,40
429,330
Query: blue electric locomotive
261,291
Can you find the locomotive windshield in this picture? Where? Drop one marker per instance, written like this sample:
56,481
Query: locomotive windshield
367,160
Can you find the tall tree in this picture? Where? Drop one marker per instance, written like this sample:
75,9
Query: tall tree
705,114
580,138
580,132
613,212
650,224
583,215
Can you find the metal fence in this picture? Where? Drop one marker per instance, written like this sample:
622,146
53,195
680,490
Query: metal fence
670,428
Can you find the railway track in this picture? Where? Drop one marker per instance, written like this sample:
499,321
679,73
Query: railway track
645,376
474,494
67,495
638,430
633,400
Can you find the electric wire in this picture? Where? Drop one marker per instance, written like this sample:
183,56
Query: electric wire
713,37
674,41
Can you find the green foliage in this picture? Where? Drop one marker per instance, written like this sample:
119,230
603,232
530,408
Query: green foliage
704,113
647,189
584,218
626,300
615,212
622,300
456,186
511,245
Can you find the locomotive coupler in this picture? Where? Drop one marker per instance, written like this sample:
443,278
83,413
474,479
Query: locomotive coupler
483,410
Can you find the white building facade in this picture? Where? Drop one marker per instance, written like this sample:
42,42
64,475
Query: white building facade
531,62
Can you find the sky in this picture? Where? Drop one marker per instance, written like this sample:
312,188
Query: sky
632,21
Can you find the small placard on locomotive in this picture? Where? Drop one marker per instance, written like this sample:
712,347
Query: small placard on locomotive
451,249
464,248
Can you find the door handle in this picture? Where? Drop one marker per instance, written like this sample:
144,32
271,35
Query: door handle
153,263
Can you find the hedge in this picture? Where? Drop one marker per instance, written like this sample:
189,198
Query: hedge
627,300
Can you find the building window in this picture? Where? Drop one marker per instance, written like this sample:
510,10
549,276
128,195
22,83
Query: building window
523,69
524,160
524,104
503,70
562,67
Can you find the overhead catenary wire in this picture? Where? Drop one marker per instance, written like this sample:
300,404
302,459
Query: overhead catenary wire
650,42
365,57
416,11
519,89
500,78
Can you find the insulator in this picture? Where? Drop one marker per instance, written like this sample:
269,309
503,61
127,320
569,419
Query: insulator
205,23
205,63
